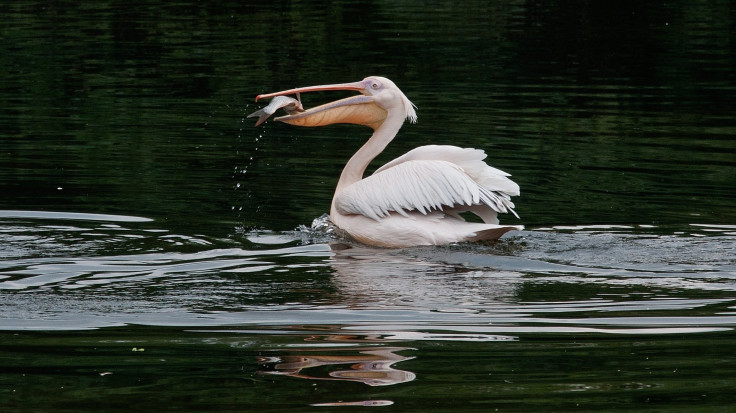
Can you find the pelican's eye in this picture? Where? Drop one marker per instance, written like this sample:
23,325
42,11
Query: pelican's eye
375,85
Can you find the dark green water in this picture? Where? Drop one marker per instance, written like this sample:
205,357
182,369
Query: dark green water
155,249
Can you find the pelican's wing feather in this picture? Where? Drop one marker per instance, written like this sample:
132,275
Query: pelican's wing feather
421,185
469,159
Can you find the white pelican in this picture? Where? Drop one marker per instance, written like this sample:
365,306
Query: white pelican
417,198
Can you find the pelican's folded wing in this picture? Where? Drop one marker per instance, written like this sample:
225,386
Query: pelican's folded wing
470,159
421,185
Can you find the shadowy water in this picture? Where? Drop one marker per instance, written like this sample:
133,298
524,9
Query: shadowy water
156,250
117,310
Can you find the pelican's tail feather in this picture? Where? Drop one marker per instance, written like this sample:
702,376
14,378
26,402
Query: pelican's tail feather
495,233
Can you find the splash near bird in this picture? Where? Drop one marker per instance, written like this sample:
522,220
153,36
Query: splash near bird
417,198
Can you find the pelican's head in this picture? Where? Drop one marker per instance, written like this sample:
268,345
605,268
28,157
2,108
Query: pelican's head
388,96
380,99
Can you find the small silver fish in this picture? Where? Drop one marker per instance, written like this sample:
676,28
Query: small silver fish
290,105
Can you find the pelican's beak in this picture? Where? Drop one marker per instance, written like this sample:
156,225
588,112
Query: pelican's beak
360,110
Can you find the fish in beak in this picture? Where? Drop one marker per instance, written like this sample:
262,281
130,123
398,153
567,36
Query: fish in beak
290,105
360,110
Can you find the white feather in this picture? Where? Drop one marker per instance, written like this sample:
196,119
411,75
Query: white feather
426,179
469,159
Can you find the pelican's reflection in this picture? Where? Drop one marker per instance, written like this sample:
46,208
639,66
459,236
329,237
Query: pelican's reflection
369,365
436,279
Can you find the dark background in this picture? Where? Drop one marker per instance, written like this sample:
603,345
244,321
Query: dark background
604,112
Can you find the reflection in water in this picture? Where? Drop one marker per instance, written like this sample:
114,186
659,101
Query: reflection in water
364,403
371,366
72,216
381,278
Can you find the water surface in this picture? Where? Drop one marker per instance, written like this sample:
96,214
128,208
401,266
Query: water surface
156,250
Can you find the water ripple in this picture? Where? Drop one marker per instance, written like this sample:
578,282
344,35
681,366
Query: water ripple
561,280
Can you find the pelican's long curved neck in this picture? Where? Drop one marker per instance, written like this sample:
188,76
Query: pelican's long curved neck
356,166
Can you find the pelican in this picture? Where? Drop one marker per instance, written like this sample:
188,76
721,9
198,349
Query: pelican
416,199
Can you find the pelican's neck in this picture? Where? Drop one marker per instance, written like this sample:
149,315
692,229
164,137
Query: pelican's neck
356,166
